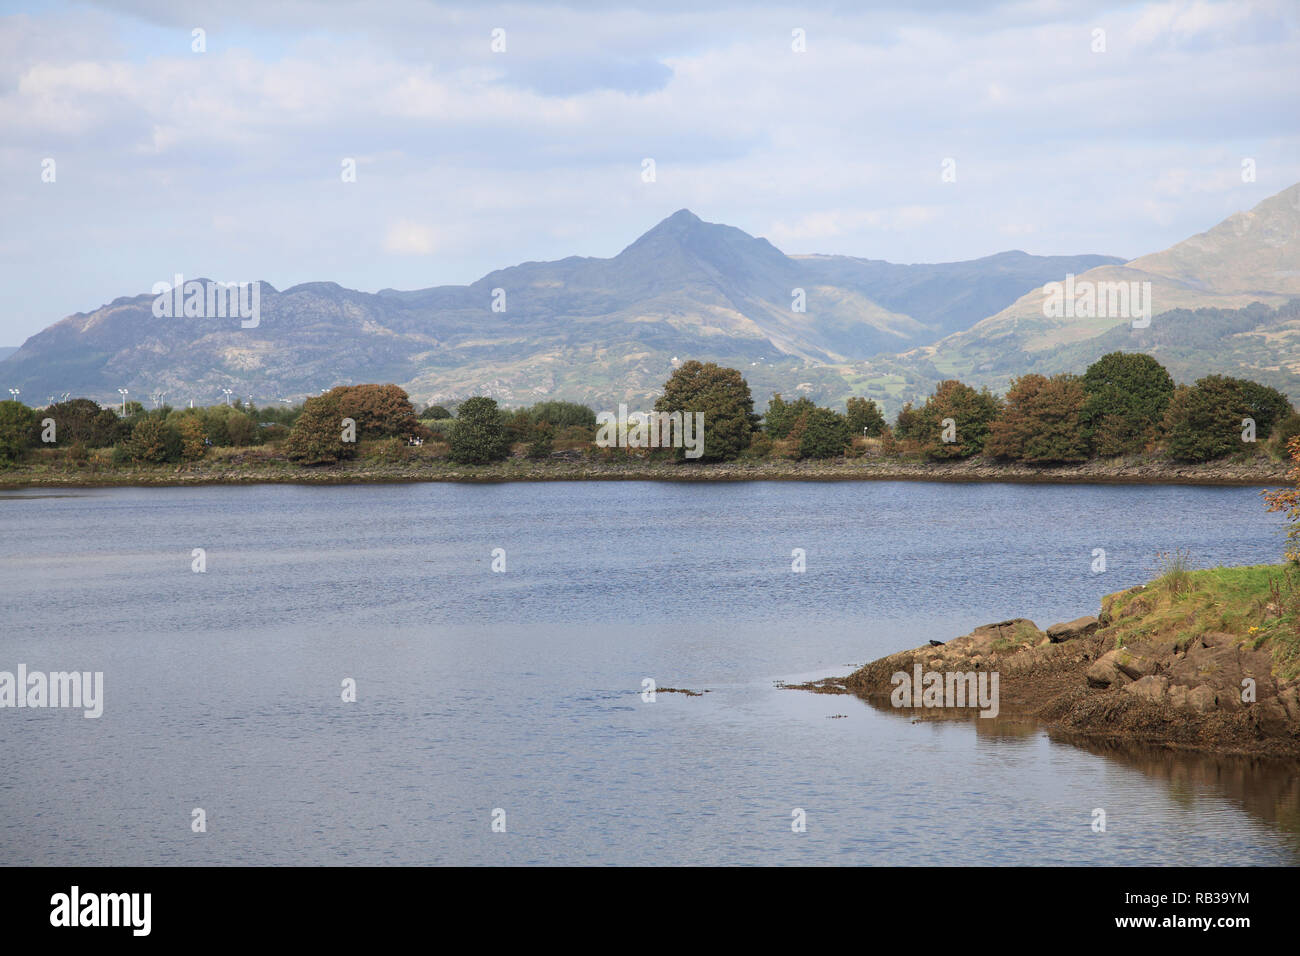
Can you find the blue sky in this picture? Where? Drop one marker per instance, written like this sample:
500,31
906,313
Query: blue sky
227,163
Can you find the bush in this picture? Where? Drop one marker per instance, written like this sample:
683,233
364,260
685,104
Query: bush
825,434
16,424
153,441
544,442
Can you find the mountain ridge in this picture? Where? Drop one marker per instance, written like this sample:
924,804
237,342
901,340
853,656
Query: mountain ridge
588,328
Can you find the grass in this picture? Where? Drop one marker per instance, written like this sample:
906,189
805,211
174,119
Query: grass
1023,636
1260,604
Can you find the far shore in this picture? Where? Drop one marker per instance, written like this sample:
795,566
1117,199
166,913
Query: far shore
251,468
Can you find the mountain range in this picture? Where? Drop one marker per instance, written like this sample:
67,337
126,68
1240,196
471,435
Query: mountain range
602,331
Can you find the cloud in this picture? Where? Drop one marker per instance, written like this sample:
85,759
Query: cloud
482,160
410,239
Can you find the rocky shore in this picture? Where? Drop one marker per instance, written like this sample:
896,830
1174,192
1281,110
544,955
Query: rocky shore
256,468
1133,674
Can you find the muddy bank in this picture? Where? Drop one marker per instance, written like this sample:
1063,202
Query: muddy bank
1122,677
256,467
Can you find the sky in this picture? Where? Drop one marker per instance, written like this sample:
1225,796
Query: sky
486,135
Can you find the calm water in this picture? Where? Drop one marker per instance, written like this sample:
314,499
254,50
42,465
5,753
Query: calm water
521,690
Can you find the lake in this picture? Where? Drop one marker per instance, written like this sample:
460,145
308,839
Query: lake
520,691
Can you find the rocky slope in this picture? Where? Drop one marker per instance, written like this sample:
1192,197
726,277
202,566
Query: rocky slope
1213,666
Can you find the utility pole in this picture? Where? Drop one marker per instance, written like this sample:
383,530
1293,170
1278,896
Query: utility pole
123,393
227,391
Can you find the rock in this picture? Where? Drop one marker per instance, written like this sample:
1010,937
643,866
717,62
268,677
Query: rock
1178,695
1201,699
1134,665
1079,627
1270,717
1290,701
1105,672
1151,687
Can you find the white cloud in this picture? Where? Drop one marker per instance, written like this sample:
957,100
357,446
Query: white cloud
410,239
833,150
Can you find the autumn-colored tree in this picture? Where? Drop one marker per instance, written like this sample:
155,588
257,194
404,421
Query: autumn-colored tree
190,428
317,436
956,411
1040,421
1127,395
380,411
1288,500
722,395
864,417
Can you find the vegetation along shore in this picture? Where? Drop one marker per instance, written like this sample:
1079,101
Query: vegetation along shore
1123,420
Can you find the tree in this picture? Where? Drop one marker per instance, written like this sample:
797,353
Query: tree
317,436
478,437
16,424
1039,423
190,430
825,434
1266,406
967,414
152,441
722,395
380,411
434,413
1204,422
864,417
1288,500
908,424
82,420
1127,395
782,417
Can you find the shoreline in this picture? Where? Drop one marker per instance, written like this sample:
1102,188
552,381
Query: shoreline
1126,677
238,470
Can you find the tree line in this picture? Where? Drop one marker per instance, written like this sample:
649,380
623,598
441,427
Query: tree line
1124,404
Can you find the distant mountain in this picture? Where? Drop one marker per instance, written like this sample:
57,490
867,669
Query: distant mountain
589,329
1250,257
6,351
